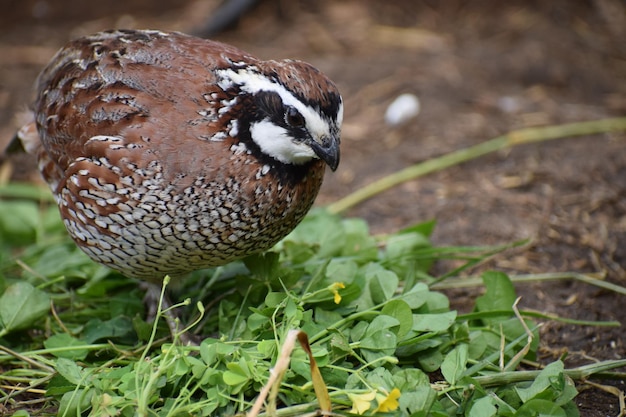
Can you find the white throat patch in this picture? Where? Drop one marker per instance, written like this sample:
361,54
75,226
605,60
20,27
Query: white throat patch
276,142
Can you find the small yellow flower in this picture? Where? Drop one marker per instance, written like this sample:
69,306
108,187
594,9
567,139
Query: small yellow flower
361,402
389,402
335,287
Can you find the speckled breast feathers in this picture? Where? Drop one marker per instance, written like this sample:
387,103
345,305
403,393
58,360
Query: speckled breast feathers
168,153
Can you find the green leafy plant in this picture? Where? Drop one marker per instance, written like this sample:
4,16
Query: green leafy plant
74,339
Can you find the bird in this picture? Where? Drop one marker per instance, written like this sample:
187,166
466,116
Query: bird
168,153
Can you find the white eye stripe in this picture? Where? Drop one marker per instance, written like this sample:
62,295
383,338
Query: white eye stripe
252,82
340,114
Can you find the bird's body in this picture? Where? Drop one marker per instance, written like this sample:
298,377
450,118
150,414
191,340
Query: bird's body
168,153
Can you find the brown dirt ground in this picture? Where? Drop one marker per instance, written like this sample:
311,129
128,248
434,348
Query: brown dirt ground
480,70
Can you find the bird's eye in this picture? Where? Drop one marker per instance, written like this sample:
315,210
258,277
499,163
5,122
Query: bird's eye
293,117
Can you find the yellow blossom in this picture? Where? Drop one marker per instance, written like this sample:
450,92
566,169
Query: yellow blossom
361,402
389,402
335,287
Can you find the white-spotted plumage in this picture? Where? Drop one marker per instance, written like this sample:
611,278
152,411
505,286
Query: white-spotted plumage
168,153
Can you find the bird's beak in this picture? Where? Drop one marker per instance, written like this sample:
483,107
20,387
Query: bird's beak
327,149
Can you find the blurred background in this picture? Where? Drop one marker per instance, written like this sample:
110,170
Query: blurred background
479,69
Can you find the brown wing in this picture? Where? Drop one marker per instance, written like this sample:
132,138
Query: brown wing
143,87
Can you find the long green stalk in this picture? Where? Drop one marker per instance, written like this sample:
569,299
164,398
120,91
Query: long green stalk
550,276
509,140
577,374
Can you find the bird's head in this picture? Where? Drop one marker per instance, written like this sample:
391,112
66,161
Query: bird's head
296,111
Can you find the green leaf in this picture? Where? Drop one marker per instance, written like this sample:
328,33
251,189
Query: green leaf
128,303
118,329
499,295
323,230
433,322
358,242
402,252
401,311
436,303
64,260
18,222
340,270
483,407
69,370
482,343
417,296
382,282
426,228
59,386
417,393
74,403
234,377
21,306
142,328
209,351
263,265
257,322
340,343
430,360
65,341
274,299
267,348
381,377
26,191
297,252
549,384
541,408
380,339
225,350
382,322
455,364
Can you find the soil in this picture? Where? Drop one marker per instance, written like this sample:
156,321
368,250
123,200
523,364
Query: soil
479,69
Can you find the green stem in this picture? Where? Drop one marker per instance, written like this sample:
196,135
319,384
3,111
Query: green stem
509,140
586,278
576,374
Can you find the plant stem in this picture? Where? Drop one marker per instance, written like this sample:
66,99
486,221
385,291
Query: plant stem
586,278
576,374
506,141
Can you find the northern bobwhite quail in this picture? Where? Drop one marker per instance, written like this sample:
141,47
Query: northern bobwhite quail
168,153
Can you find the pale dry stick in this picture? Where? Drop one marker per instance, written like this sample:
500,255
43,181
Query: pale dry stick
30,389
6,170
33,386
29,269
506,141
58,319
26,359
515,360
276,373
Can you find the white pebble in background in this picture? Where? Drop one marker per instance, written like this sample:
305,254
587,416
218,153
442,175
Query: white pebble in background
402,109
